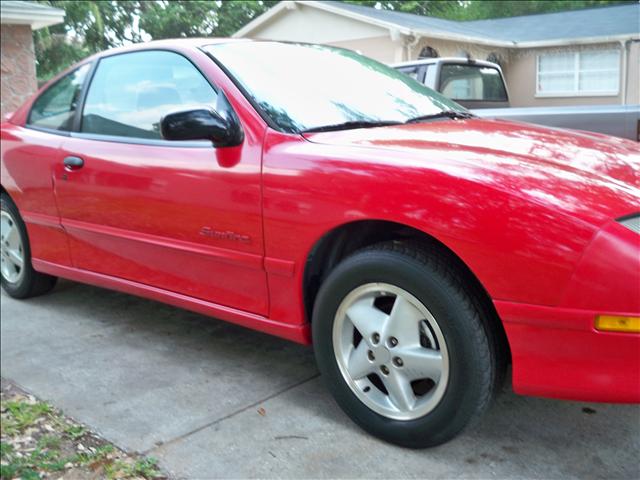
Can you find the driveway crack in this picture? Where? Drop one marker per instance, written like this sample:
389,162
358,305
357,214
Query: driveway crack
160,446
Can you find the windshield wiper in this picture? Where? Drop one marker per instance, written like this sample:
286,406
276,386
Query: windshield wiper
351,125
453,114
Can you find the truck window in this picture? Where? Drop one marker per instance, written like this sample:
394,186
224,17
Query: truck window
472,82
413,71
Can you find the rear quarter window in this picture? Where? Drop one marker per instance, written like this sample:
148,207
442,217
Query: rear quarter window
55,107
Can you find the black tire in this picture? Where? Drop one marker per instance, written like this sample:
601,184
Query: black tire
30,283
473,361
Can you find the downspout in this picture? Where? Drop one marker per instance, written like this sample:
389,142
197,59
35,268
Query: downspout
410,44
624,44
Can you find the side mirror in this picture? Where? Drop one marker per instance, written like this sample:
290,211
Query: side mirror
202,124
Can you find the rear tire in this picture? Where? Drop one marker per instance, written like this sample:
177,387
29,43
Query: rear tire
19,279
425,344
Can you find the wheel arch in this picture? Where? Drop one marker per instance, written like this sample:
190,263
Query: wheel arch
347,238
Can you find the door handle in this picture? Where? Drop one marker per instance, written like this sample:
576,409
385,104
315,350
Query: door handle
73,163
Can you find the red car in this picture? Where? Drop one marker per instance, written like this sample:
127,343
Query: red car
318,195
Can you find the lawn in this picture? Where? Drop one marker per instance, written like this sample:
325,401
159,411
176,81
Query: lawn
38,441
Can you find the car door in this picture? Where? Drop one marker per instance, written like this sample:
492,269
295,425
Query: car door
29,154
181,216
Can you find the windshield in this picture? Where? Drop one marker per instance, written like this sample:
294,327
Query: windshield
302,87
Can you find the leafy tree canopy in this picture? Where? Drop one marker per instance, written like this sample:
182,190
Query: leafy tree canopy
90,27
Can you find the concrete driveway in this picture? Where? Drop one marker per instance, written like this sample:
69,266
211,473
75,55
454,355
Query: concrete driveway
212,400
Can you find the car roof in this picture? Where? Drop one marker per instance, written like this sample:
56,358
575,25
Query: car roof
195,42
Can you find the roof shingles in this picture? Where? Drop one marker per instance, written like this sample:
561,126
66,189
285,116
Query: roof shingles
575,24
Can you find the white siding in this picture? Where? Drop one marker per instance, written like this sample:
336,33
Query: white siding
308,24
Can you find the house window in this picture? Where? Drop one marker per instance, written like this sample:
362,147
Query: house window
590,72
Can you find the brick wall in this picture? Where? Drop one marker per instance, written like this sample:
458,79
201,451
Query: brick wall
18,68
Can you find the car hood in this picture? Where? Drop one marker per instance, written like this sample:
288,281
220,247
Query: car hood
589,175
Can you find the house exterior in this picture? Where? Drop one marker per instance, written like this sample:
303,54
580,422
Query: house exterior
18,61
589,56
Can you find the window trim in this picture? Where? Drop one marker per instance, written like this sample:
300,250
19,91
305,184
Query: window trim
98,137
419,69
576,75
77,133
442,65
83,96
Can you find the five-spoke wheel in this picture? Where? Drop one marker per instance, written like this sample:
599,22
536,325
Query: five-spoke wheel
391,351
11,249
19,279
404,347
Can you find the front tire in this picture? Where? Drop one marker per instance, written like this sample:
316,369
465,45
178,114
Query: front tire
403,346
19,279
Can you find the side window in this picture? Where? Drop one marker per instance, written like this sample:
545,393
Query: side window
56,106
430,75
130,93
411,71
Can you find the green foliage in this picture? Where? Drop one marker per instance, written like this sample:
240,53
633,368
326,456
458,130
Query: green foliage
5,450
176,19
54,448
22,415
45,457
48,441
143,467
432,8
173,19
235,14
88,458
90,27
75,431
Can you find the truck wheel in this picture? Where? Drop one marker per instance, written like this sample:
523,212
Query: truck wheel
402,345
19,279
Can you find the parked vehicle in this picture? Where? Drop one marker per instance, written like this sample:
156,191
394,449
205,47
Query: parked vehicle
418,248
480,86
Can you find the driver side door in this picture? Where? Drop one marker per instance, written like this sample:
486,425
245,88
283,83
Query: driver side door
180,216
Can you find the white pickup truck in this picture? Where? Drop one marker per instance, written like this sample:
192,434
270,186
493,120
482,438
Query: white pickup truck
480,86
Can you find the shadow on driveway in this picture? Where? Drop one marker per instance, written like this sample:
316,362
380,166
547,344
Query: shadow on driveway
214,400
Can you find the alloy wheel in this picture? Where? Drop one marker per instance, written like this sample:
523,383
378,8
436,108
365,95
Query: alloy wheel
11,249
391,351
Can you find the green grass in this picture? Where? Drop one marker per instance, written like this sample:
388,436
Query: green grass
23,415
19,415
41,459
74,431
49,441
46,458
144,467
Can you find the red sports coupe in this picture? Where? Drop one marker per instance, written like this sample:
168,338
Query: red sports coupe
315,194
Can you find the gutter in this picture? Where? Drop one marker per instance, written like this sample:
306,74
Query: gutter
537,44
454,37
579,41
467,38
37,16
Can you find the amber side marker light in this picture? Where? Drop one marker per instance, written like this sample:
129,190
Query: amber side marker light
612,323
